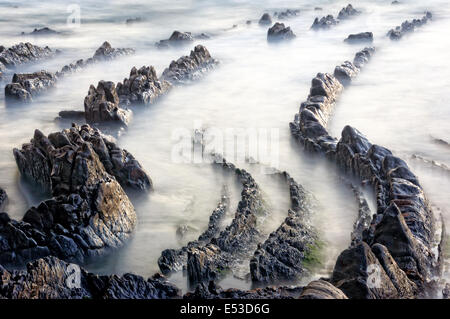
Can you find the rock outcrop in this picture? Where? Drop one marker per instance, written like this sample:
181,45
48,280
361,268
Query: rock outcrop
45,31
176,39
408,26
102,105
27,85
89,214
348,12
279,32
289,13
172,260
23,53
360,37
52,278
324,22
288,253
188,68
265,19
142,87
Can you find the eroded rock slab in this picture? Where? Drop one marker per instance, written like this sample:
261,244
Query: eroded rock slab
409,26
27,85
52,278
360,37
23,53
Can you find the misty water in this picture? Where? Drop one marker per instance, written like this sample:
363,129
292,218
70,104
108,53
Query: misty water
400,101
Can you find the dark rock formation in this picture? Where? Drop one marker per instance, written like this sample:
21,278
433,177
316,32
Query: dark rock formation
395,2
45,31
213,291
446,291
51,278
266,19
348,12
102,105
188,68
3,198
364,218
408,26
288,252
89,213
321,289
133,20
360,37
142,87
324,22
27,85
177,38
173,260
23,53
236,242
286,14
72,115
279,32
56,163
107,52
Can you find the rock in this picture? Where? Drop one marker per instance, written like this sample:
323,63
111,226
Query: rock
317,9
3,198
142,87
346,72
279,32
265,19
173,260
288,253
324,22
446,291
213,291
27,85
52,162
177,38
286,14
360,37
363,56
348,12
107,52
364,219
188,68
77,115
23,53
408,26
43,31
321,289
102,105
395,2
51,278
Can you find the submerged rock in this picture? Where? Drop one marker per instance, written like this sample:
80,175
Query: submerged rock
266,19
279,32
130,21
360,37
52,278
348,12
43,31
27,85
286,14
23,53
324,22
142,87
188,68
102,105
408,26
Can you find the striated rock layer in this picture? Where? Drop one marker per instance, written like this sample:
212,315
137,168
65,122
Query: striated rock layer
52,278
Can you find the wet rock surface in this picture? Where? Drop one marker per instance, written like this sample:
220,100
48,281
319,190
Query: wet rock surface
52,278
142,87
102,105
287,254
188,68
27,85
348,12
213,291
409,26
279,32
176,259
360,37
23,53
321,289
